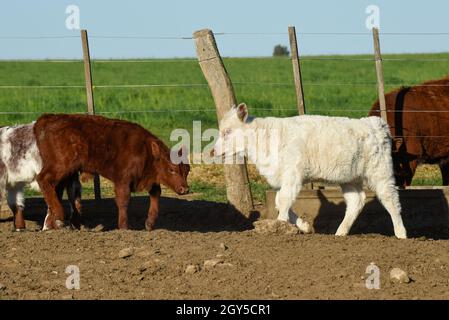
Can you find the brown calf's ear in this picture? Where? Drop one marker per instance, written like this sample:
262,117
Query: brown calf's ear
183,154
155,150
242,112
397,143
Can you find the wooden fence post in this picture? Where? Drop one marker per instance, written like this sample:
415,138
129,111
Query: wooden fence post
300,102
380,75
238,189
296,70
90,96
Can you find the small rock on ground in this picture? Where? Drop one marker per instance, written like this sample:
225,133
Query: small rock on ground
98,228
191,269
212,262
269,226
399,275
126,253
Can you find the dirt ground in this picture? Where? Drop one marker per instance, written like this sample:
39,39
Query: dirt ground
245,264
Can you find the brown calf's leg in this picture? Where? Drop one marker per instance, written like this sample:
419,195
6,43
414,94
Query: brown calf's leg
48,182
122,196
153,212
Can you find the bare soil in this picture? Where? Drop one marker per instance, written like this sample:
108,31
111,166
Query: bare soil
248,265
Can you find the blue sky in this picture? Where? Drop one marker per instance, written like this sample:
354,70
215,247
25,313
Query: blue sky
182,18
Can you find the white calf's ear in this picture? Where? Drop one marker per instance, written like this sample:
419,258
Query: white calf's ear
242,112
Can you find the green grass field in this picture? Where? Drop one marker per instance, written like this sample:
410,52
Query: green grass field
331,87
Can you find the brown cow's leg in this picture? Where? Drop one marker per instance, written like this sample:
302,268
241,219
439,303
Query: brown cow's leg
73,187
444,167
122,196
153,212
48,182
412,165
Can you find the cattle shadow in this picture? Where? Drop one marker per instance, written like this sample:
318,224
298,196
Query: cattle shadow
175,215
425,214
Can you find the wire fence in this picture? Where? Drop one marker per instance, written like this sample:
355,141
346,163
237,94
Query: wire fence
193,85
238,83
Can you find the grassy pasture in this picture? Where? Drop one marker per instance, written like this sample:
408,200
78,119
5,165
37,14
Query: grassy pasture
331,87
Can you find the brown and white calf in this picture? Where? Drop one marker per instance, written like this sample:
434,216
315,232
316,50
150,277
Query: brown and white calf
122,152
20,163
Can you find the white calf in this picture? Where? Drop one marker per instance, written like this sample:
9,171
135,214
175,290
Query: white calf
20,163
348,152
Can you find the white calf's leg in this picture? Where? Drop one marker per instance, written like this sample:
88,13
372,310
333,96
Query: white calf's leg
388,196
284,199
16,202
355,200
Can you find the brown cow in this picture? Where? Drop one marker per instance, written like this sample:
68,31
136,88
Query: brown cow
419,120
123,152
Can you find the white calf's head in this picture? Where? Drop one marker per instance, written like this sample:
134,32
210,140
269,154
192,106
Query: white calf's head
231,139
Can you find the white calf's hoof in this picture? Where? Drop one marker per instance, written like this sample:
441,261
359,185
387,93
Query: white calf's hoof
304,226
341,233
400,232
402,235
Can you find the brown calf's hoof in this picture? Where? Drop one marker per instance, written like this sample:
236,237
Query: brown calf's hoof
149,226
19,229
123,227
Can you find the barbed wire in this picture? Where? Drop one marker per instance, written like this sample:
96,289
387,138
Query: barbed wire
194,60
143,60
131,37
188,85
373,59
42,86
175,85
212,109
42,61
184,37
38,37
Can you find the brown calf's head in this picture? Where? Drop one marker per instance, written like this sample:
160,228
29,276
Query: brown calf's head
172,174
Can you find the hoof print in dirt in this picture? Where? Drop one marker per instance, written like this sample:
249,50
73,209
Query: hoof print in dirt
269,226
126,253
399,276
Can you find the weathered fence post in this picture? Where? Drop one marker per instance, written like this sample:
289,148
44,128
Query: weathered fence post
380,75
90,96
238,190
300,102
296,70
